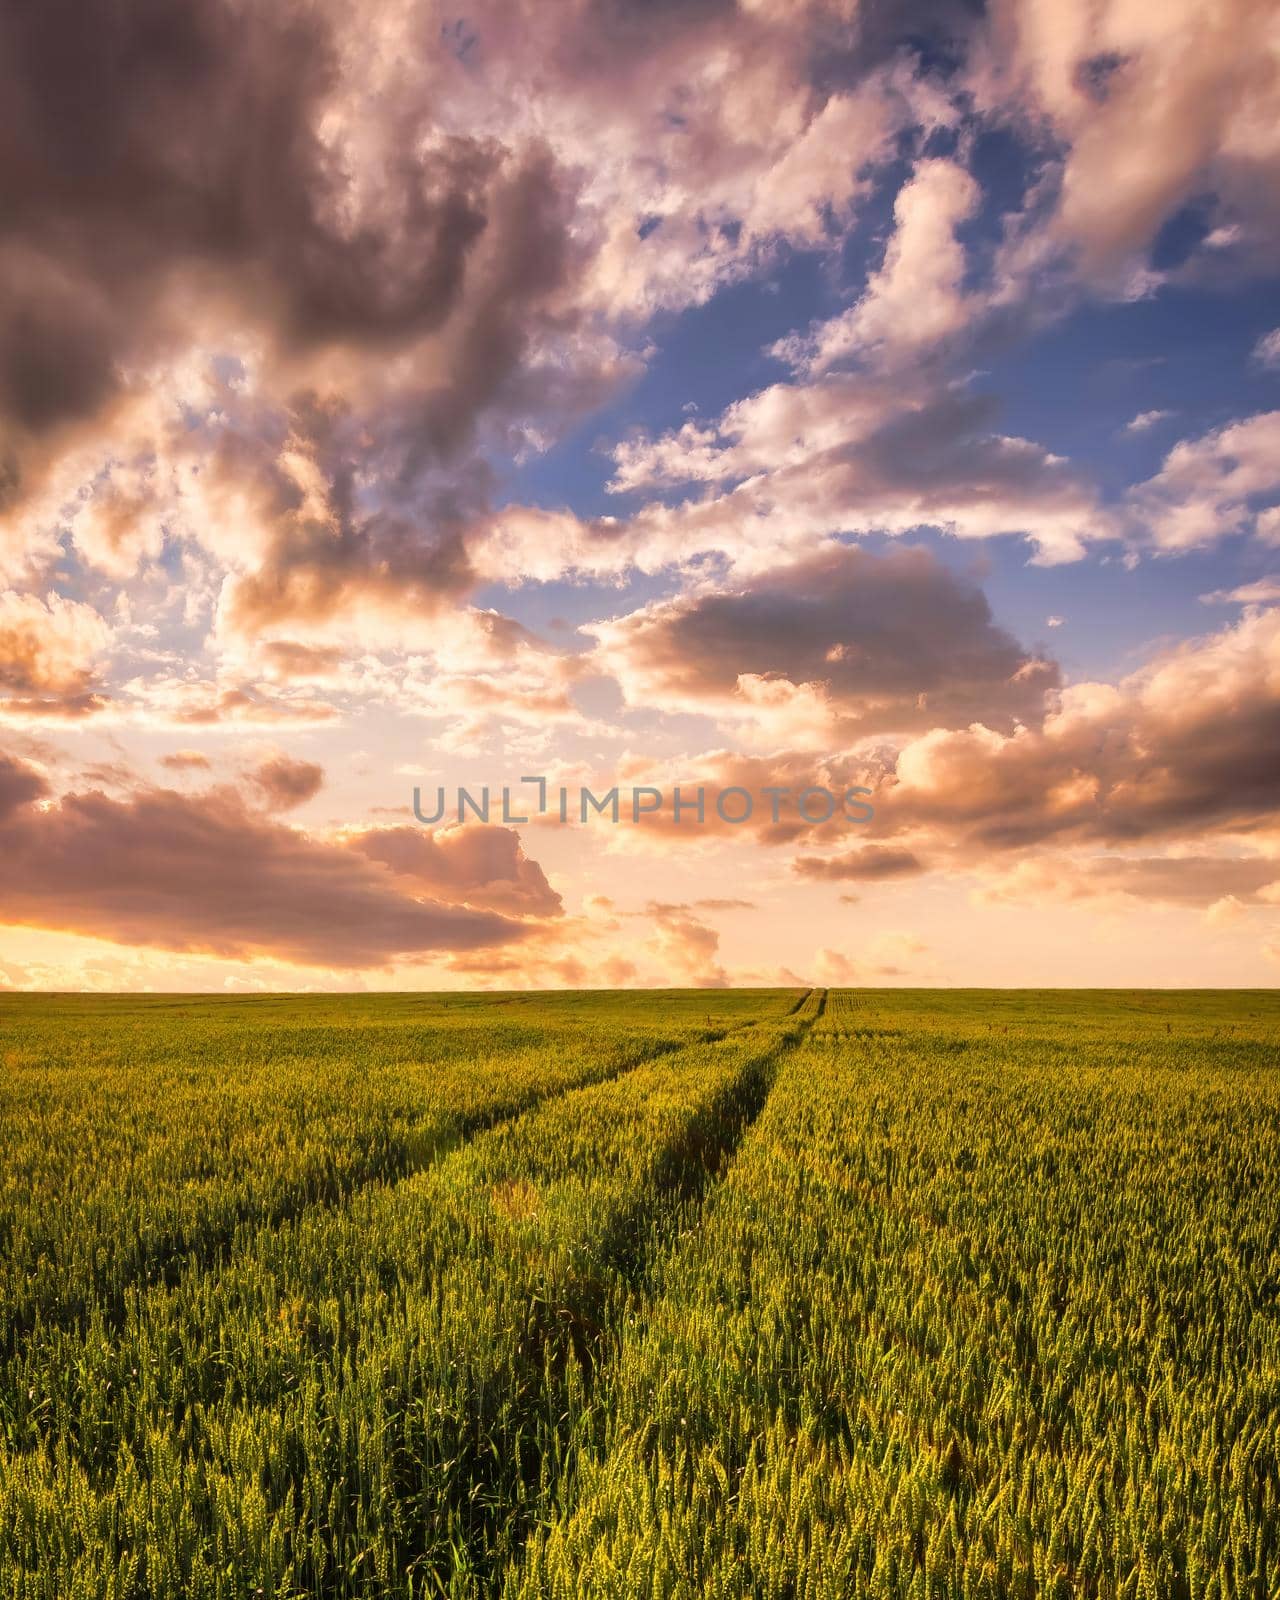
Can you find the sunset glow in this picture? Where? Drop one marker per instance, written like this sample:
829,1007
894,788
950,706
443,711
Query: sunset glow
772,396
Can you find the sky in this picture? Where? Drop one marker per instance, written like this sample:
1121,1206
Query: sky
749,397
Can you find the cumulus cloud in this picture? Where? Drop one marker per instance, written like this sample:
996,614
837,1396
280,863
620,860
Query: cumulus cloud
1267,350
782,811
48,651
1188,745
1261,592
286,290
19,785
280,281
843,645
1173,772
795,464
185,179
1149,108
1211,487
285,283
475,865
916,300
684,943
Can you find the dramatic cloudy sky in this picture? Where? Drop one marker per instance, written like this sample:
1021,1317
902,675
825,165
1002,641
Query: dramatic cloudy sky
770,393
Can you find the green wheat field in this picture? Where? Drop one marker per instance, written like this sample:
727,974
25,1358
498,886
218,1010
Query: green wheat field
663,1294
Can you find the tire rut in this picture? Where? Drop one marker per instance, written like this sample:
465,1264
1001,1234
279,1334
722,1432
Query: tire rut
689,1172
165,1267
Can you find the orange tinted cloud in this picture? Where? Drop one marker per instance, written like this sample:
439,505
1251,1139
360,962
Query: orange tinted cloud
285,783
855,643
47,653
482,866
205,873
870,863
1191,743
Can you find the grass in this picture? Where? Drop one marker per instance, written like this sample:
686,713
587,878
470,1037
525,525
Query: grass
882,1293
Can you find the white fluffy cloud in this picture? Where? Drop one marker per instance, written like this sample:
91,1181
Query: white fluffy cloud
1215,486
1267,350
916,300
1148,107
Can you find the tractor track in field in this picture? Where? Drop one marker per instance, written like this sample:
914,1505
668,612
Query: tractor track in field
579,1327
690,1170
166,1266
696,1166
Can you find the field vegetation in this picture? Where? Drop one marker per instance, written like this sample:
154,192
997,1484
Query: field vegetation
791,1294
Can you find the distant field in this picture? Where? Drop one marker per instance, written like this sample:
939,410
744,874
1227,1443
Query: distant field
720,1293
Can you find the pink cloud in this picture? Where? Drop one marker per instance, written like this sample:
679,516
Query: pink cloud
205,873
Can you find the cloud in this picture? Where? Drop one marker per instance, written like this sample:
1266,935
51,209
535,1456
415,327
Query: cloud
475,865
167,700
916,300
847,643
1177,880
1209,488
1148,109
143,141
284,285
1183,755
19,785
660,944
685,944
849,453
1267,350
221,183
185,761
1189,744
205,873
48,651
286,660
1146,420
775,782
708,140
869,864
1261,592
285,783
884,957
786,424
